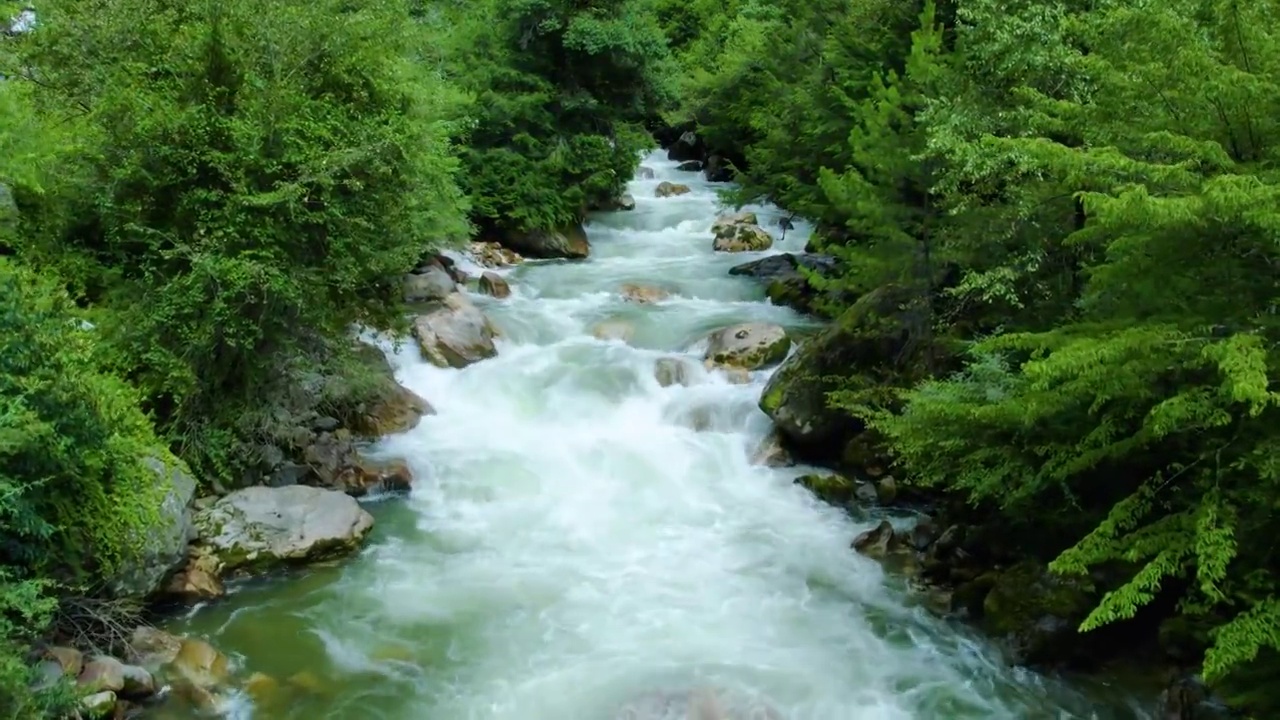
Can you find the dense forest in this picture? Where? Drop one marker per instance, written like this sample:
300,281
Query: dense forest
1069,211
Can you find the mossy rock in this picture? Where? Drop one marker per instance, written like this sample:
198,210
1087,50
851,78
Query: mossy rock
870,350
1037,613
750,346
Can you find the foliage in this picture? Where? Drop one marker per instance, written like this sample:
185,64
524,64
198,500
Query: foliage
561,89
256,182
1096,186
75,496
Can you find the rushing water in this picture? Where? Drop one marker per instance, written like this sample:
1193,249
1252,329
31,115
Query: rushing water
580,537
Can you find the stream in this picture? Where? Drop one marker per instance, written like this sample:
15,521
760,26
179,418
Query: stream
580,538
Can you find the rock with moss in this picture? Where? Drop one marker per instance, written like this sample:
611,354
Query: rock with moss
786,281
164,547
869,353
1035,613
839,490
742,238
750,346
258,528
566,242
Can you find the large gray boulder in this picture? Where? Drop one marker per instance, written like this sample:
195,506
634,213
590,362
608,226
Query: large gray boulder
163,549
455,333
260,527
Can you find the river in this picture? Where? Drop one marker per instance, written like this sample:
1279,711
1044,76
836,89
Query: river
579,536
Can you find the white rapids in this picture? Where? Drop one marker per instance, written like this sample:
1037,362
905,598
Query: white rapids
575,547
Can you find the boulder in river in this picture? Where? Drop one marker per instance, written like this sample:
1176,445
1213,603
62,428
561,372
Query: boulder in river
872,344
728,220
771,453
643,294
258,527
690,166
717,169
493,255
785,280
567,242
428,283
644,172
686,147
750,346
493,284
670,189
455,333
741,237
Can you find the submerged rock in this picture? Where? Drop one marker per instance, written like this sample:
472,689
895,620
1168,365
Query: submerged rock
673,371
670,189
619,330
455,333
567,242
643,294
258,527
699,703
771,453
644,172
750,346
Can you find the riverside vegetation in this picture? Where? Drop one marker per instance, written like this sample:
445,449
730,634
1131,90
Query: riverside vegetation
1046,246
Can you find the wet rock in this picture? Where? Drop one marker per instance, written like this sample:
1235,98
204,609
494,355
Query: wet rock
432,282
742,238
153,648
1036,613
387,476
619,330
568,242
388,409
164,546
493,284
690,166
673,371
455,333
493,255
644,172
729,220
880,542
785,280
872,345
199,580
200,664
687,147
750,346
731,375
258,527
717,169
264,689
839,490
771,453
643,294
670,189
98,705
622,203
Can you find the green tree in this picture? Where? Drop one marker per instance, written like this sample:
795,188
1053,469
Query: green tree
257,181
